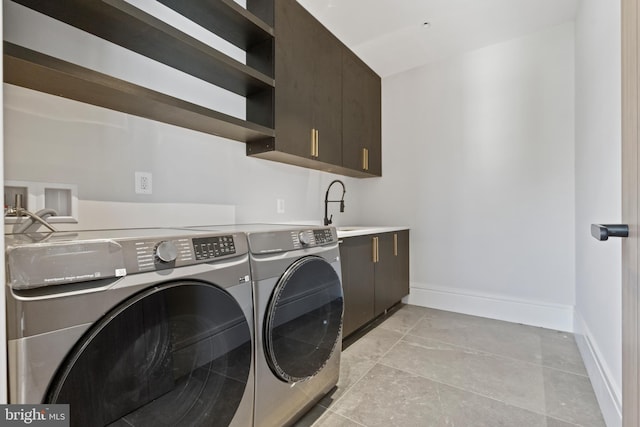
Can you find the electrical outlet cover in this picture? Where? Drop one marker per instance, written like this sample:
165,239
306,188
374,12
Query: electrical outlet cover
144,184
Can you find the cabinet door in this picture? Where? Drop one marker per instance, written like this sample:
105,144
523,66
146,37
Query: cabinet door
294,69
327,99
384,273
373,121
357,282
401,265
361,116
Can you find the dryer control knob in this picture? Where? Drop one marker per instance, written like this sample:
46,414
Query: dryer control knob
304,239
166,251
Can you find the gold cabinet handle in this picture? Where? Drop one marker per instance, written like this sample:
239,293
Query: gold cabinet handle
373,247
365,159
376,250
315,136
395,244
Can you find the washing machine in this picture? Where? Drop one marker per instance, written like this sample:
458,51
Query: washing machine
145,327
298,302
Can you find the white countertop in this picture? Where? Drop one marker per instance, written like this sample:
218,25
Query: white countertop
352,231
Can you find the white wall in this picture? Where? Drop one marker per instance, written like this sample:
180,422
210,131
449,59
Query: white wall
598,198
478,159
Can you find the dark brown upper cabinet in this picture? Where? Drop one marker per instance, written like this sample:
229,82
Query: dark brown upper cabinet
361,116
308,97
308,107
310,113
123,24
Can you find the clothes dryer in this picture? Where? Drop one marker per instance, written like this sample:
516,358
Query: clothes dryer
132,327
298,302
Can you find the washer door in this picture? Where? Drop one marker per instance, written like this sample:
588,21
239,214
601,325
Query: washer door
177,354
303,319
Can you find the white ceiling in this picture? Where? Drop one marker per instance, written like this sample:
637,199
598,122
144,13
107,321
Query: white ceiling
390,37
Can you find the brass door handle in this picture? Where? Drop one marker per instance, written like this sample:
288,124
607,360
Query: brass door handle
365,159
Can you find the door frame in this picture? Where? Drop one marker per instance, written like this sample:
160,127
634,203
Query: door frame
630,277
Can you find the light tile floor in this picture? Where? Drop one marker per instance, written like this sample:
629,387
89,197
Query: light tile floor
426,367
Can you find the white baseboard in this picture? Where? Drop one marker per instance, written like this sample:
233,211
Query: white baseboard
552,316
608,395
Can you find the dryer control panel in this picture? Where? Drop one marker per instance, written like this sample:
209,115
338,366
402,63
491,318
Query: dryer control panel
323,236
293,239
307,238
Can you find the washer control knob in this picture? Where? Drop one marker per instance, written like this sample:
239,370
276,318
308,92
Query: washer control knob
304,238
166,251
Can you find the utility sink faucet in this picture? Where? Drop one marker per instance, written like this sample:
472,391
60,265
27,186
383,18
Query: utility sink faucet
328,221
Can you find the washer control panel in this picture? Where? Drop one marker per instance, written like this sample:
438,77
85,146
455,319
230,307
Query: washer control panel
166,251
213,247
153,254
74,257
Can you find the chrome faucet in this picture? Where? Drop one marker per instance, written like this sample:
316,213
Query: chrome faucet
328,221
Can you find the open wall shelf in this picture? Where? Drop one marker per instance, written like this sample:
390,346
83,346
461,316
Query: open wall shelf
34,70
125,25
226,18
121,23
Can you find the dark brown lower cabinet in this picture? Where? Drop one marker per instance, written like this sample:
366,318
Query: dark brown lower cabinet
357,282
375,276
400,285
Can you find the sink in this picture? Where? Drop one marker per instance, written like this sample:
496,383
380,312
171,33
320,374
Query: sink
355,230
351,228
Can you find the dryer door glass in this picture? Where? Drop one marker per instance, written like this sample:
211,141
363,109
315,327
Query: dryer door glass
303,320
177,354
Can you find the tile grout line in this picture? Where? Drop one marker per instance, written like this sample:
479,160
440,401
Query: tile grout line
378,361
478,394
502,356
375,362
